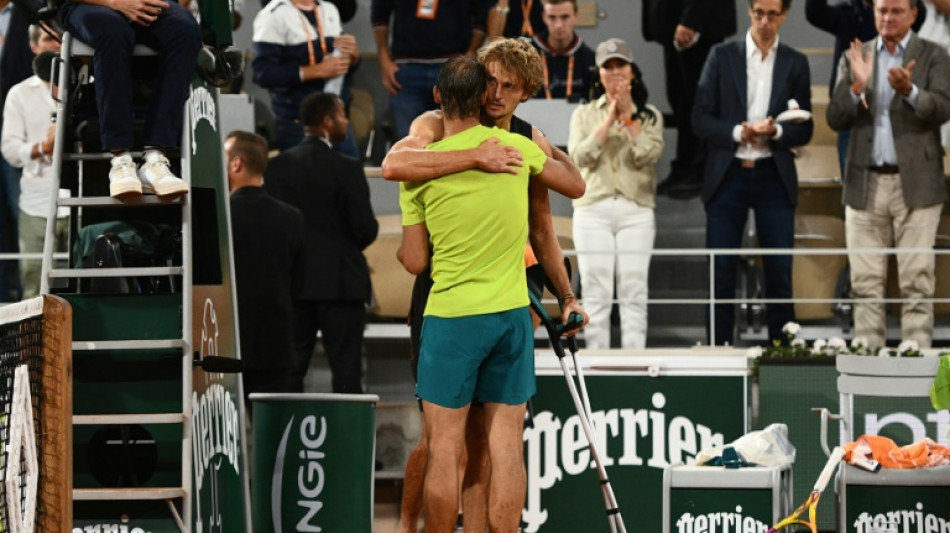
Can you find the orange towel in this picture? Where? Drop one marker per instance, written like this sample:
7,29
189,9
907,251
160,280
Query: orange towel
920,454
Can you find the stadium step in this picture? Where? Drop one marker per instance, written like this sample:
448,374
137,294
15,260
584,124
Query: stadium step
137,418
114,272
84,346
107,201
126,494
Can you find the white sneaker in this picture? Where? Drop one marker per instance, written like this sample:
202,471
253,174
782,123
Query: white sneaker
156,177
123,182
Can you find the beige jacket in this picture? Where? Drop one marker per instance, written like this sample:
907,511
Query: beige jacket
620,165
916,131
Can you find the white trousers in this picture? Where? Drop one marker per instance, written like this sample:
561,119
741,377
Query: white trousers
607,229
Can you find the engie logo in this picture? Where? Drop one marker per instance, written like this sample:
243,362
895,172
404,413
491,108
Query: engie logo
720,523
201,107
555,447
310,475
905,519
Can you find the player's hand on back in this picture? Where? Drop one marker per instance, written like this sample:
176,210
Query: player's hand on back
494,157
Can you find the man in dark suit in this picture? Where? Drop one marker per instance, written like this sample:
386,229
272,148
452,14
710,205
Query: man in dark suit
749,162
332,192
687,30
269,267
893,92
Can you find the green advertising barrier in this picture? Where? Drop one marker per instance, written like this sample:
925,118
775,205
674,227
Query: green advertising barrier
650,410
915,501
313,462
713,498
788,389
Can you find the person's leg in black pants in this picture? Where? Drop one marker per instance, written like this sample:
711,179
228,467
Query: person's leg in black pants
113,37
775,226
342,325
306,325
687,144
177,37
682,77
726,215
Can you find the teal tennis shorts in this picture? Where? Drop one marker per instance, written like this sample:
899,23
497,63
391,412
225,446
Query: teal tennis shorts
488,358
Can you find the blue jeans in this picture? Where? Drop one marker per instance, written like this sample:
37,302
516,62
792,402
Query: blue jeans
415,96
761,190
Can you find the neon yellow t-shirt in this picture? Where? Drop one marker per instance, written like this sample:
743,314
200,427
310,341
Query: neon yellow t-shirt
478,225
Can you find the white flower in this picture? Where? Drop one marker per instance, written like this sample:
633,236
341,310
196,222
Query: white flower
798,343
908,346
883,351
859,343
754,351
819,345
837,344
791,328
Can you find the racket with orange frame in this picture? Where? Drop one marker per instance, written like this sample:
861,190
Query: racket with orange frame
795,523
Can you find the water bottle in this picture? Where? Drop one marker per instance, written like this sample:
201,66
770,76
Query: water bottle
334,85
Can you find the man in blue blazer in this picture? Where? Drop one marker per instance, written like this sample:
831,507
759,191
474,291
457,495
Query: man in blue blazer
749,162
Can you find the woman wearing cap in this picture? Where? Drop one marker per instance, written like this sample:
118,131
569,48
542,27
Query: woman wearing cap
616,141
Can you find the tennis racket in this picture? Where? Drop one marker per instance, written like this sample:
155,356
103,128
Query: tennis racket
794,522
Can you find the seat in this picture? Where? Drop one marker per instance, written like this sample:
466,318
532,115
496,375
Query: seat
861,493
942,269
816,276
563,228
392,285
941,272
818,162
362,116
823,134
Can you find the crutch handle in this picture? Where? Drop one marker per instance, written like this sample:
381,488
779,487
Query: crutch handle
574,321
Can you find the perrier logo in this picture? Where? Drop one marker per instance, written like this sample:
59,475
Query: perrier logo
555,447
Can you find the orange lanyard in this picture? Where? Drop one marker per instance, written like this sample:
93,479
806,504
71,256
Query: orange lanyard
307,27
547,80
526,18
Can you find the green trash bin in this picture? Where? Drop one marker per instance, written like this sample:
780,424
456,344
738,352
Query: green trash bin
313,462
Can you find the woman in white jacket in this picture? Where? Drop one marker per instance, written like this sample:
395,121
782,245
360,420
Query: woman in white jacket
616,141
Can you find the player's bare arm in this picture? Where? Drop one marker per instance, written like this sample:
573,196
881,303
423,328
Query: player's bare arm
413,252
548,251
408,159
561,175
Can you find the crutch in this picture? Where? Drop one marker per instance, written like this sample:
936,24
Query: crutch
581,400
